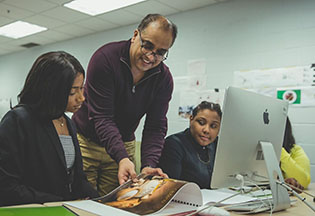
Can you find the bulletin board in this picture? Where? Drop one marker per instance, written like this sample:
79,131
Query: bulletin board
193,88
294,84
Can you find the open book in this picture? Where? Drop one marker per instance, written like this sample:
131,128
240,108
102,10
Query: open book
145,195
151,195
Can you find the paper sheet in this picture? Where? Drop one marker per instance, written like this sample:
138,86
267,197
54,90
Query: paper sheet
216,196
97,208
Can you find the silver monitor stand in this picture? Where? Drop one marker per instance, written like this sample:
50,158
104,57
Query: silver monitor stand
280,196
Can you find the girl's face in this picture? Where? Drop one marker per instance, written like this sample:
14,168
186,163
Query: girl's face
76,97
205,126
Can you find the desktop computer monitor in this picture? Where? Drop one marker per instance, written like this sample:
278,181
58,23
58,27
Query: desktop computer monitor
248,120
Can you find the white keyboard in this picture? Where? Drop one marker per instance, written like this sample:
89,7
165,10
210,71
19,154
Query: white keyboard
250,207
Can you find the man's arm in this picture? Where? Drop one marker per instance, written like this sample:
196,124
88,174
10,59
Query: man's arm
100,90
100,87
155,127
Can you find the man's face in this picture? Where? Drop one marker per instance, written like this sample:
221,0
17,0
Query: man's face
149,46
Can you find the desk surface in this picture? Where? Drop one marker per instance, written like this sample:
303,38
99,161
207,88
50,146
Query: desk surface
298,209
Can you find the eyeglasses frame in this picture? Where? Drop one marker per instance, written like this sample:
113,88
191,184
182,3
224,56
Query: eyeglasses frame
155,55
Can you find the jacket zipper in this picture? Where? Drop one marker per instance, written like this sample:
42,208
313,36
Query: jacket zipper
134,86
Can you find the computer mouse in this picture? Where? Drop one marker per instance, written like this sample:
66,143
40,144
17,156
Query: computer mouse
214,211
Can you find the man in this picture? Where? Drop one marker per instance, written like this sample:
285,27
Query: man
125,81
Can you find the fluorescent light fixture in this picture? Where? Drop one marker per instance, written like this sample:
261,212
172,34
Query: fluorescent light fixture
20,29
95,7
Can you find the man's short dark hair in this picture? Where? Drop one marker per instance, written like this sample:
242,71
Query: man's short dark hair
168,25
49,82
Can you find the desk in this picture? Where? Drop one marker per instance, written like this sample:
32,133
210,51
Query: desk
298,209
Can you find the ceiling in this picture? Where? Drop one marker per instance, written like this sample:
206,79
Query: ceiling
64,23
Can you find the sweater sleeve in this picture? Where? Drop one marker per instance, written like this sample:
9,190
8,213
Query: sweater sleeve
296,165
100,90
171,159
155,127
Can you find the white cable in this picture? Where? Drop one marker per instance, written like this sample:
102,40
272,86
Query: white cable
268,200
241,178
242,190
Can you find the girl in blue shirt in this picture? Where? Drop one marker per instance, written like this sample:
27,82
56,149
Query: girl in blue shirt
189,155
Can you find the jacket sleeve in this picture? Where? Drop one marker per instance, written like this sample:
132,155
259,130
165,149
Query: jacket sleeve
155,126
296,165
171,159
100,95
12,188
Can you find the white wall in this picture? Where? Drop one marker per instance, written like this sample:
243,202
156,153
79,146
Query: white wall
233,35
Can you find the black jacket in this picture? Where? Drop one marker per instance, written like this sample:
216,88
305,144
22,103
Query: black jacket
183,158
32,161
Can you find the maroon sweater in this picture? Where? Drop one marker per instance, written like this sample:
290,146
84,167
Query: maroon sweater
114,105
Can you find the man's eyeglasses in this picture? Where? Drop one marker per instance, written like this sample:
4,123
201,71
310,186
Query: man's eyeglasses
147,47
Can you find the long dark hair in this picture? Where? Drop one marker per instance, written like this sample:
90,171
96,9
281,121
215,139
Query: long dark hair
49,82
288,140
207,105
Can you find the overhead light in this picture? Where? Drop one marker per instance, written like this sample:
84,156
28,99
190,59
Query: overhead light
20,29
95,7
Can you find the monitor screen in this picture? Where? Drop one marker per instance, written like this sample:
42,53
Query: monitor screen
247,119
